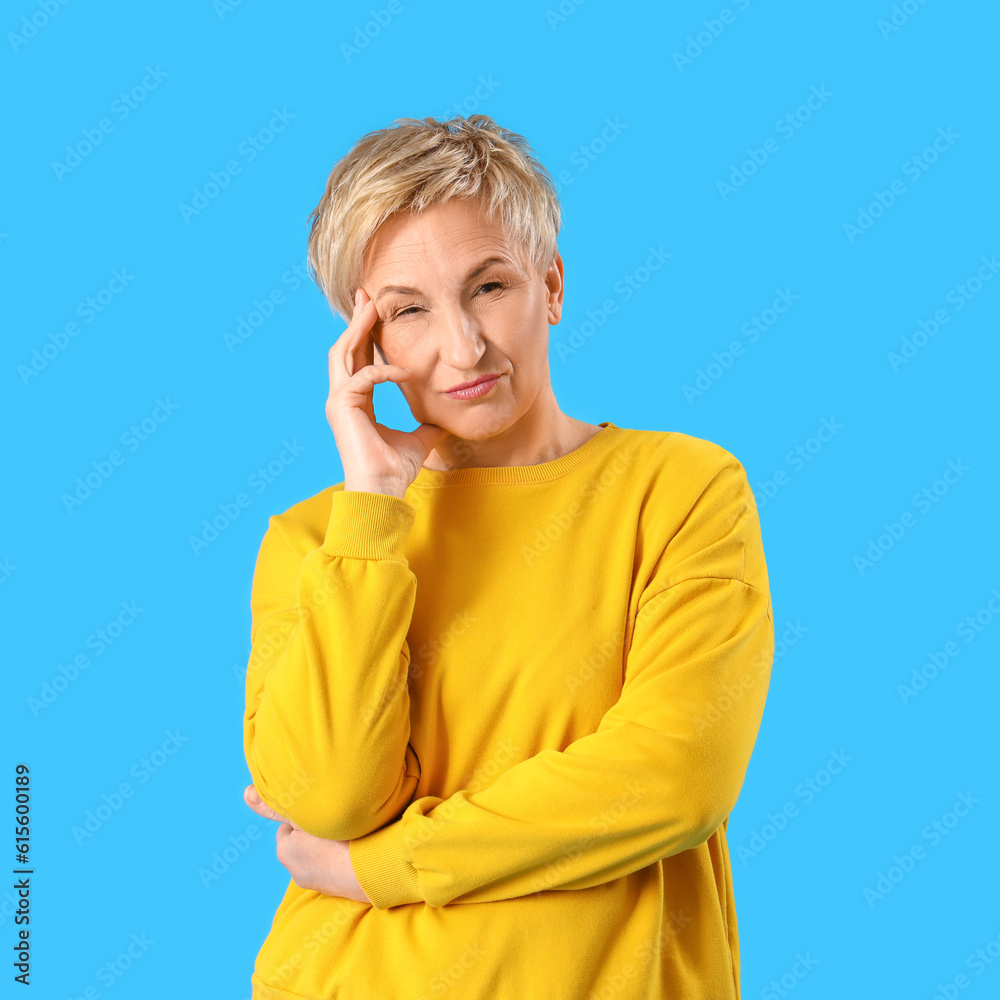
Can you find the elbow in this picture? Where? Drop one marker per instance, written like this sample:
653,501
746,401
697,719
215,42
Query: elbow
708,815
342,826
329,811
699,818
350,820
316,807
694,830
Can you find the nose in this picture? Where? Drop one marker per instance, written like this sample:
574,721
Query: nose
459,339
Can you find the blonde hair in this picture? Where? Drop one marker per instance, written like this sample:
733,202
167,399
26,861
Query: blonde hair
418,163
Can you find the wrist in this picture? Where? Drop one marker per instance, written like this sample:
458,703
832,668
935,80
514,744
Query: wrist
389,489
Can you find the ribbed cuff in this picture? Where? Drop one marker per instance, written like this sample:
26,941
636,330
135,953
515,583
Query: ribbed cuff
368,525
387,878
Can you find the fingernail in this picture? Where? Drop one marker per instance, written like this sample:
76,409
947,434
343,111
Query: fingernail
357,296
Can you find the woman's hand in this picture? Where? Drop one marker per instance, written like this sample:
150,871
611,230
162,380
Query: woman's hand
313,863
376,458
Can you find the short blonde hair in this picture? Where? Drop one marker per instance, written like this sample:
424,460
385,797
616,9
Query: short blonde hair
418,163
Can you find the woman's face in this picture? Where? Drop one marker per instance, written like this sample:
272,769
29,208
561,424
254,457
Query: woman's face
451,314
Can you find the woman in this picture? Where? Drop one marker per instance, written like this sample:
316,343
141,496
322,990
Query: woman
507,676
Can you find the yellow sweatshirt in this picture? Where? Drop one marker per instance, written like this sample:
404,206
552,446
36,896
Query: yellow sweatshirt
528,697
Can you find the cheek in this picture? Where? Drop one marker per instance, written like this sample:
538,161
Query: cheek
527,338
410,350
398,345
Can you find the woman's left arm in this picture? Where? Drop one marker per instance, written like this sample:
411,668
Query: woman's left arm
664,768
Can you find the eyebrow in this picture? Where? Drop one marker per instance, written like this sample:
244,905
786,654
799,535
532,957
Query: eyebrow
475,272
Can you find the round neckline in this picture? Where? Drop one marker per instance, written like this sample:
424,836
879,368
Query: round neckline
540,472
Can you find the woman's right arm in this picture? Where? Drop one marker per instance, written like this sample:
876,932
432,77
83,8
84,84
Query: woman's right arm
327,721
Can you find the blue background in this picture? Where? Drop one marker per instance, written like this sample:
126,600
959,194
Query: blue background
676,173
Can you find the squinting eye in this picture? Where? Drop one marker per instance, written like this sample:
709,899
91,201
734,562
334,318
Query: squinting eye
409,309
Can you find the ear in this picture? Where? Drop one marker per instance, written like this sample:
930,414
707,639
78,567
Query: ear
555,286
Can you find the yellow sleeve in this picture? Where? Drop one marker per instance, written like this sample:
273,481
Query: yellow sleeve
665,766
327,723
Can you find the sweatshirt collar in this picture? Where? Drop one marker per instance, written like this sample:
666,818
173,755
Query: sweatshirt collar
540,472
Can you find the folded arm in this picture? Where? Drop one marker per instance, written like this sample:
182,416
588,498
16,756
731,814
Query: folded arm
665,766
327,723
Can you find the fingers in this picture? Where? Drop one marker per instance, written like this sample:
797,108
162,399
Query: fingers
345,356
354,351
357,388
252,798
361,351
429,436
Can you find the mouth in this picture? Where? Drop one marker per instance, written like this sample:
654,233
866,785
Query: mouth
477,387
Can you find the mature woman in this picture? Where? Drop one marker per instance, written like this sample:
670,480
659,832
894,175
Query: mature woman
507,676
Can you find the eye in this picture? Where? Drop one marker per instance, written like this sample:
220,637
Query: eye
495,285
403,312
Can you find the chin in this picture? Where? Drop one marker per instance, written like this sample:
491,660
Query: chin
479,423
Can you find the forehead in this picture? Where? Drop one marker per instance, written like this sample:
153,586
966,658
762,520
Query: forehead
441,238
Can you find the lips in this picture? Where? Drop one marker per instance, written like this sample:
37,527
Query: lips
469,385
